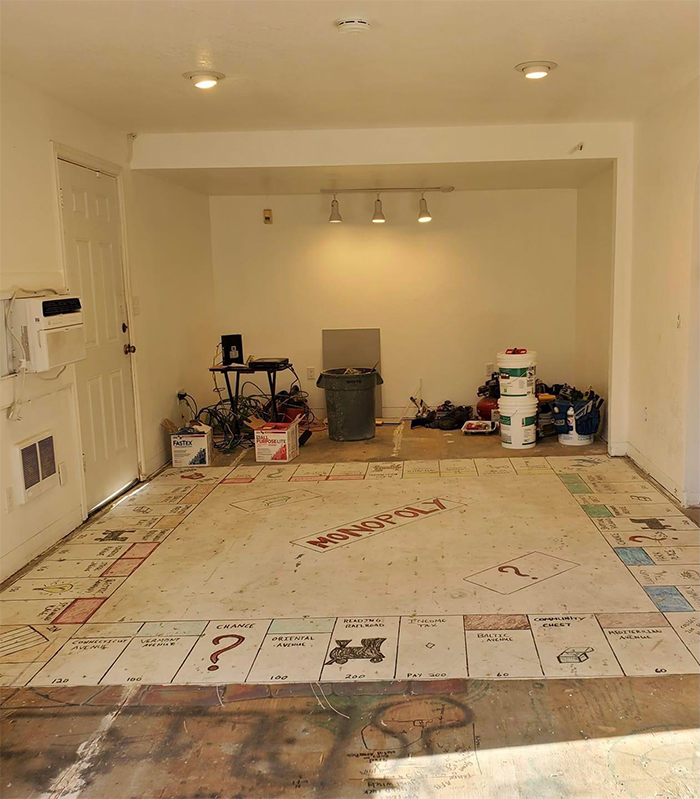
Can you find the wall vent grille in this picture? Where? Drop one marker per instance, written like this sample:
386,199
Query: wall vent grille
38,471
30,466
47,459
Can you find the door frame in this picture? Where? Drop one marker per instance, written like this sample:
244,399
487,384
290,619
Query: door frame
62,152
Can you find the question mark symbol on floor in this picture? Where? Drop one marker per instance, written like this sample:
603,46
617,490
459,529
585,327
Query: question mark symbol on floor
658,538
214,657
515,569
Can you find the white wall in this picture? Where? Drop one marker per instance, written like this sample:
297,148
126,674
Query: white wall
175,331
493,269
594,263
664,369
505,143
259,148
168,230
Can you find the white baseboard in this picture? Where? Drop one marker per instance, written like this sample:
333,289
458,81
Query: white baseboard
692,499
660,476
14,560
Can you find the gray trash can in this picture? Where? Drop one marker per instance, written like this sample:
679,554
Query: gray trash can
350,402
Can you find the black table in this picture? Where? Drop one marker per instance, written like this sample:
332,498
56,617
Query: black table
248,369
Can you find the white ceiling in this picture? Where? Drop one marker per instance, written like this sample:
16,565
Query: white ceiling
424,63
463,176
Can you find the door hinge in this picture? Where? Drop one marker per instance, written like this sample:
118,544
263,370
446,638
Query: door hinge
84,463
60,194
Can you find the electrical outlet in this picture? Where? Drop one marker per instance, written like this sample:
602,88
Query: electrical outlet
489,369
9,500
310,372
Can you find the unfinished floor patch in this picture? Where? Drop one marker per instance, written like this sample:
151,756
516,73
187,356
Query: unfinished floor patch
420,570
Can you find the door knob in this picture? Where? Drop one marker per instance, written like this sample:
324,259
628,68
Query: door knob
129,348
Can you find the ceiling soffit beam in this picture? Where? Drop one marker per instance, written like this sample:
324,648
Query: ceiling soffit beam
381,146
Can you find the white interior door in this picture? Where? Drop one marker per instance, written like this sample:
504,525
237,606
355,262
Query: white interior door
92,240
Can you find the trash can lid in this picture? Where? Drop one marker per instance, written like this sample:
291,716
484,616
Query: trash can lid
349,371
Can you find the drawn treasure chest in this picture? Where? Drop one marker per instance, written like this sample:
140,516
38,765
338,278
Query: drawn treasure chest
370,650
574,654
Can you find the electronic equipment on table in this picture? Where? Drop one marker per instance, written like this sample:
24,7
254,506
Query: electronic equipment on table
269,365
232,349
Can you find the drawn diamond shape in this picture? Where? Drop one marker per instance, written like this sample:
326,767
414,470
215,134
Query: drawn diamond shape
523,572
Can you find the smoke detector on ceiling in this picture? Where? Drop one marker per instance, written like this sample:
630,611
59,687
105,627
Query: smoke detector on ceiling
355,25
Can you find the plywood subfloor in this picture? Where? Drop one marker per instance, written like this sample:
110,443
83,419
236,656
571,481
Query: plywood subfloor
491,568
399,442
624,738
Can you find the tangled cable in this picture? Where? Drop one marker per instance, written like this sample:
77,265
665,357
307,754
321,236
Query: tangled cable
231,429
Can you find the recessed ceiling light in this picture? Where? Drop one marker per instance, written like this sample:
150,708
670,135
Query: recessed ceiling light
204,80
354,25
535,70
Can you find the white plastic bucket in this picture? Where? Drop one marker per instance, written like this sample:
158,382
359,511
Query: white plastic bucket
517,374
518,422
573,439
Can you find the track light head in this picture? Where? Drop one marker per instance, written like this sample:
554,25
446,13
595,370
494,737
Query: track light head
378,216
335,211
423,212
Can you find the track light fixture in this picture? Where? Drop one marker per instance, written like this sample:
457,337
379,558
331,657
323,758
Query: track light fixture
423,212
335,211
378,215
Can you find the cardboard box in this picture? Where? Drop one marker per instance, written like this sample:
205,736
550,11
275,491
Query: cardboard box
192,446
277,442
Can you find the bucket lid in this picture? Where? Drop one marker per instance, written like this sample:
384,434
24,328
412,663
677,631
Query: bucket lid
528,355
